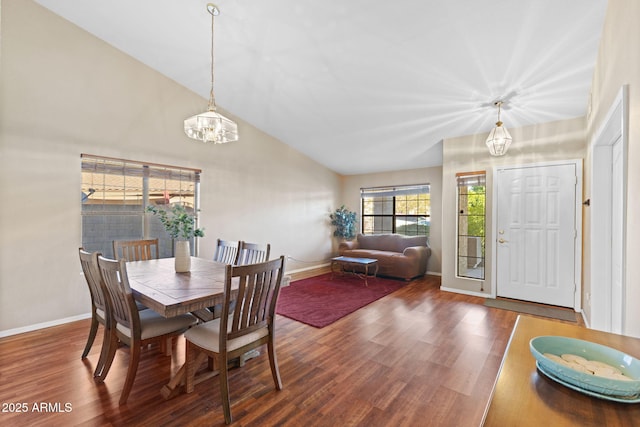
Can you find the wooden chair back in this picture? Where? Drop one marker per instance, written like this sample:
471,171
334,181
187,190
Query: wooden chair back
226,252
255,307
100,306
89,263
136,250
252,253
123,305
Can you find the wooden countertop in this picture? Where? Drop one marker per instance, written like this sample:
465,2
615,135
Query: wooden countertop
522,396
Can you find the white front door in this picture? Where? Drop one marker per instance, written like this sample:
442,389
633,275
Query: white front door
536,234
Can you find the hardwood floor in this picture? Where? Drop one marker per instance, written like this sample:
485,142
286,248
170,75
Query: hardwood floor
416,357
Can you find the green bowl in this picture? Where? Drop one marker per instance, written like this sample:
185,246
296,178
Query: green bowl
630,366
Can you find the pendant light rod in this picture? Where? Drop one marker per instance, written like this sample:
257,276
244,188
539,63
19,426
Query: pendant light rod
499,105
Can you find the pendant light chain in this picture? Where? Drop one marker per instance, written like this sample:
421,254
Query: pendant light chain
212,98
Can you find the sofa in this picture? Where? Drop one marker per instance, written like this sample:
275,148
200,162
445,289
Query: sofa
399,256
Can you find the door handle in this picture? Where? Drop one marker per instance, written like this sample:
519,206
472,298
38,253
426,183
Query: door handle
502,241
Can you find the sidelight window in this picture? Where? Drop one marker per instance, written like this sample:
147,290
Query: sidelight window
471,225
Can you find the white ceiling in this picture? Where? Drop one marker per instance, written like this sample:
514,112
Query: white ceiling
365,86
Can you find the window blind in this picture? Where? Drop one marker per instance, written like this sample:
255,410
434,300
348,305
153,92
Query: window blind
394,191
472,179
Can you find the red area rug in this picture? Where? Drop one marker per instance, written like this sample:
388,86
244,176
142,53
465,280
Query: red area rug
319,301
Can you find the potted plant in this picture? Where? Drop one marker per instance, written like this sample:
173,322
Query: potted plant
345,222
181,226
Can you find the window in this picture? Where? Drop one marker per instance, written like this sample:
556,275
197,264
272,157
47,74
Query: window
401,209
471,224
115,194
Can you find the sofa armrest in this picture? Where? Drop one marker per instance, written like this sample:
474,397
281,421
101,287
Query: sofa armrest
347,245
421,256
417,252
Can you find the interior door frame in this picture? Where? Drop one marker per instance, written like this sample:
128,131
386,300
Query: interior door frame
577,263
614,127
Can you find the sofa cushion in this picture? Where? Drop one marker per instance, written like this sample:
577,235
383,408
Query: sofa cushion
390,242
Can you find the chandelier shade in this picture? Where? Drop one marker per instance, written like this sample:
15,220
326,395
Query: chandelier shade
211,126
499,138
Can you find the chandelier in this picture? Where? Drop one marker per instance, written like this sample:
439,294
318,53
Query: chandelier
211,126
499,138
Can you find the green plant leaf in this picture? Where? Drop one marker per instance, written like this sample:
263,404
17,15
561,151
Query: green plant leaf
180,224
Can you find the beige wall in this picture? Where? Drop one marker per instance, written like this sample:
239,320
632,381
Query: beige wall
618,64
560,140
433,176
62,93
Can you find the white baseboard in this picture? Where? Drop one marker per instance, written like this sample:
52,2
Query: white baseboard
433,273
465,292
30,328
301,270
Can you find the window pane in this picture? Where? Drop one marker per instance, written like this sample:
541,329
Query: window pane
402,210
471,226
115,194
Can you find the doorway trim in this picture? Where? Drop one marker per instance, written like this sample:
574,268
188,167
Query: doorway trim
613,127
577,263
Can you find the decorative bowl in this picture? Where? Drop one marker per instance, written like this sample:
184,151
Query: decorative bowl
556,345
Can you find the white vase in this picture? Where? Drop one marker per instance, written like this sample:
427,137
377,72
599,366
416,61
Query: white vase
183,256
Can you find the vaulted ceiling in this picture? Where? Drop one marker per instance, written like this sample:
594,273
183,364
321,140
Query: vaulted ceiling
365,86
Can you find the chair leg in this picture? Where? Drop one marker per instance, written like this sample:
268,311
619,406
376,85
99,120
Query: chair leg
104,353
134,359
224,388
112,346
166,346
273,361
92,335
169,349
190,363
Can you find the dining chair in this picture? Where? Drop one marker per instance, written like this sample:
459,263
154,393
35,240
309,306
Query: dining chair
136,250
226,251
252,253
132,327
247,253
100,306
249,326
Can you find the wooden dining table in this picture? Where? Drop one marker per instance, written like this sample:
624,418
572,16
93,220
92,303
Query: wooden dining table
156,284
523,396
